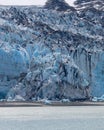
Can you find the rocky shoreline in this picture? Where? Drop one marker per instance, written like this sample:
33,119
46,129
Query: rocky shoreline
41,104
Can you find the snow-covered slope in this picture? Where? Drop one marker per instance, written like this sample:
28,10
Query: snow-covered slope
52,52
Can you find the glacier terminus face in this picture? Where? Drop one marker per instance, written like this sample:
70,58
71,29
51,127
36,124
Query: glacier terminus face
52,52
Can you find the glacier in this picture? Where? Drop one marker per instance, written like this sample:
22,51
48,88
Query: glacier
53,52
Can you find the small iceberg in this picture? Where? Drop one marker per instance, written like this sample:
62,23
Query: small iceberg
46,101
98,99
65,100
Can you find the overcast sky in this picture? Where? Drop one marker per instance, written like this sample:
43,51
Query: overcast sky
27,2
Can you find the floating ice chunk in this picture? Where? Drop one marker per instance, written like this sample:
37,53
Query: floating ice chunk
18,98
95,99
2,100
46,101
34,99
65,100
101,98
10,99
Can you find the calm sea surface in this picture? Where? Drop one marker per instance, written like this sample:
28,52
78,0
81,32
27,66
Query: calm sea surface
52,118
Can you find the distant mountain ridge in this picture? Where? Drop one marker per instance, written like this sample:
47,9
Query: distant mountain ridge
59,5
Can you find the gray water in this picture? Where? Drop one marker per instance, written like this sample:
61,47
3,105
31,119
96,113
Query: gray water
52,118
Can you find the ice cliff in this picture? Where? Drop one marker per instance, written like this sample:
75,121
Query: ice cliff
53,52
